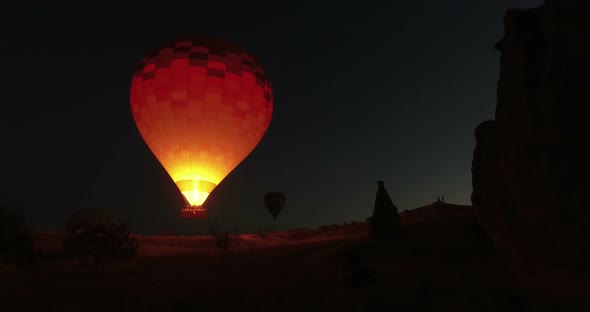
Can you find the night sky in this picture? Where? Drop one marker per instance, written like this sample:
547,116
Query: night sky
362,92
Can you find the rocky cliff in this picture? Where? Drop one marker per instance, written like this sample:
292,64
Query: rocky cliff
531,164
384,225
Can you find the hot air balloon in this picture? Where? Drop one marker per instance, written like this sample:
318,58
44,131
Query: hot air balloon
201,105
274,202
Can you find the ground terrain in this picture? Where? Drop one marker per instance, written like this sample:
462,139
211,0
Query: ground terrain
443,262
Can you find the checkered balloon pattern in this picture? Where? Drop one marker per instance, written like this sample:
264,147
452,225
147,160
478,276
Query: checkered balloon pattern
201,105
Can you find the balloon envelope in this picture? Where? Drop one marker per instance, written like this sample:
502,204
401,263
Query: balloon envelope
201,105
274,202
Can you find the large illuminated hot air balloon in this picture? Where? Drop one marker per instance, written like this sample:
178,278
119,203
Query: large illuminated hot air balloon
201,105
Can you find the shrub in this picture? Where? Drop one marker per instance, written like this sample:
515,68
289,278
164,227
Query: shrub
98,234
222,238
16,240
264,233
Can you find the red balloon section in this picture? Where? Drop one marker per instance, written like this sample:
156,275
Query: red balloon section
201,105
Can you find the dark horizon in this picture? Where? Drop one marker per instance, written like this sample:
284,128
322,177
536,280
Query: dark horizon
374,93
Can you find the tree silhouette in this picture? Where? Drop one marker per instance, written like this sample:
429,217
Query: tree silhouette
264,233
223,239
98,234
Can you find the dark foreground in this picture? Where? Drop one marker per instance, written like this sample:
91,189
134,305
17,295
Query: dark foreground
441,264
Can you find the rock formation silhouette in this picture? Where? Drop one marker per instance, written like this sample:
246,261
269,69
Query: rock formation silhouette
530,165
385,222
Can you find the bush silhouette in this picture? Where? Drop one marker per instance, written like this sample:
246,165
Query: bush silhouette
98,234
264,233
222,238
16,240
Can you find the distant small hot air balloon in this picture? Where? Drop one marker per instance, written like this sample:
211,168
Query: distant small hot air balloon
274,202
201,105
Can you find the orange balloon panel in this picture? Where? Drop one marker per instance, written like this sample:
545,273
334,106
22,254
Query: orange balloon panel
201,105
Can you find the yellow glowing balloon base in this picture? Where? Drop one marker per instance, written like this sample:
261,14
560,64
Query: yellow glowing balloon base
194,212
195,197
195,191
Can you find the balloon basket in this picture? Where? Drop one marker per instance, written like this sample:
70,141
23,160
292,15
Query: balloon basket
192,213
